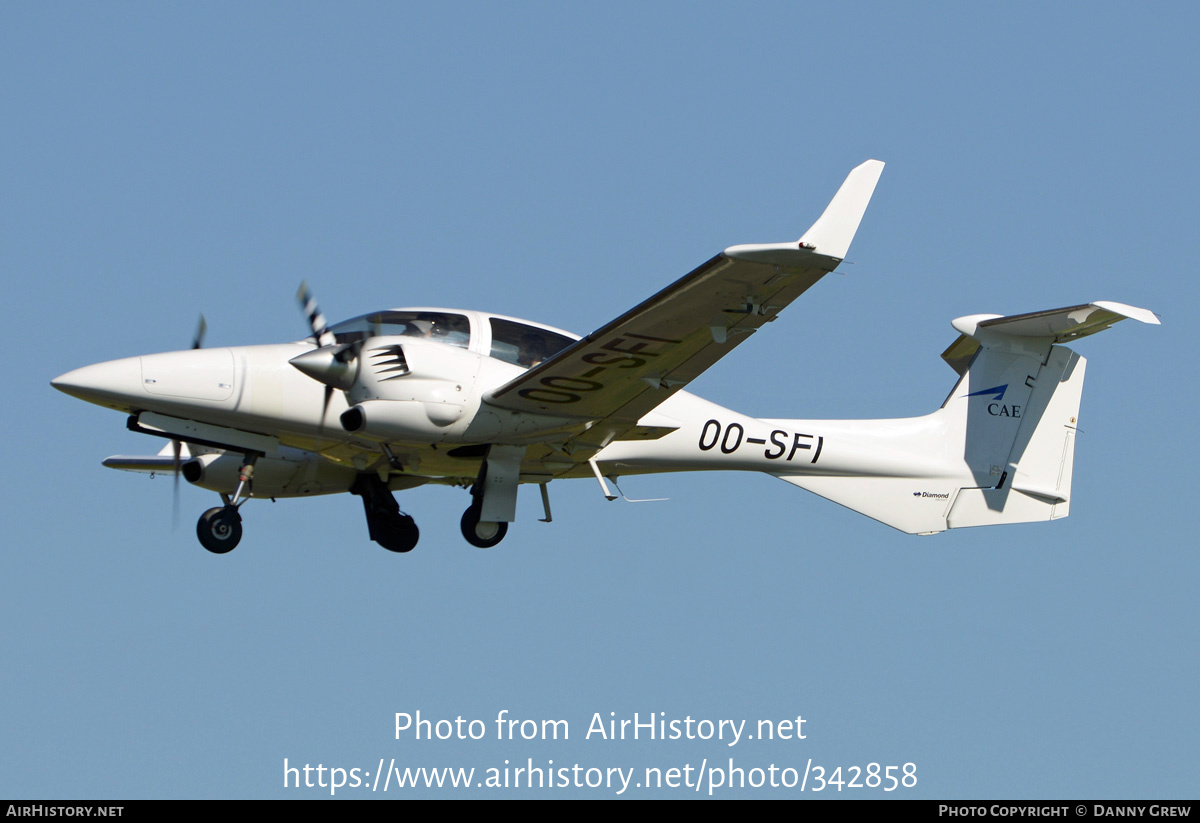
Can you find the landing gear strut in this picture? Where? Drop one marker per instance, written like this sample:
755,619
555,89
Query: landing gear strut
388,526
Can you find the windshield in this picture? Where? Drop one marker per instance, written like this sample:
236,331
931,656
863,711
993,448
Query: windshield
440,327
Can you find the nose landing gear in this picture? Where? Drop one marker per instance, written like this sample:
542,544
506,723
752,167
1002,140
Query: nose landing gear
220,529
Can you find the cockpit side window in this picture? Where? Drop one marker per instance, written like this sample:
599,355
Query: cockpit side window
440,327
524,345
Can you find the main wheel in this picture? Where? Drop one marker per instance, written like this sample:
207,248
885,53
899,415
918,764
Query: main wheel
481,535
400,534
220,529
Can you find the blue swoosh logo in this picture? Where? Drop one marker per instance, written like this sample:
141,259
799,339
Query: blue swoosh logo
997,392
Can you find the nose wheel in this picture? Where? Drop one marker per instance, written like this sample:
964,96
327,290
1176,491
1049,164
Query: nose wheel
220,529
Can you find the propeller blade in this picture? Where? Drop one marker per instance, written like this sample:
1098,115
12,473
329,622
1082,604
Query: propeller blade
201,329
316,320
325,408
176,449
330,363
177,446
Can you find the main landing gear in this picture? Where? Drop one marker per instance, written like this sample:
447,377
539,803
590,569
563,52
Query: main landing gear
397,532
484,524
389,527
481,535
493,497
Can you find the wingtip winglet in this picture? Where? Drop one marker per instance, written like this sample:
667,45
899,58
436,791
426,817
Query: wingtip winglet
837,225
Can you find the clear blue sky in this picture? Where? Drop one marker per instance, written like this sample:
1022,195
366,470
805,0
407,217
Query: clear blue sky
561,163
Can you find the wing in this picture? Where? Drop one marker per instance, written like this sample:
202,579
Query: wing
628,367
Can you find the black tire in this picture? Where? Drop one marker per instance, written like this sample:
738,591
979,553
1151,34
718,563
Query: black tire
481,535
220,529
400,534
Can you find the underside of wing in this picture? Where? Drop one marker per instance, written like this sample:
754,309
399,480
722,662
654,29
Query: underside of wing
628,367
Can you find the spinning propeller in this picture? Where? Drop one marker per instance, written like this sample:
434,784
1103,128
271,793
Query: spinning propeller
177,445
332,363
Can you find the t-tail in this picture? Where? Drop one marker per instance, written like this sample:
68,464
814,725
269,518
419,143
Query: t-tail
1001,448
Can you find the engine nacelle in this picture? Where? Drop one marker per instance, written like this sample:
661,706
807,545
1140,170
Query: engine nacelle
406,389
417,421
409,389
288,473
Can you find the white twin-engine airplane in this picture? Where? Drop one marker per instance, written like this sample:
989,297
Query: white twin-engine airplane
395,399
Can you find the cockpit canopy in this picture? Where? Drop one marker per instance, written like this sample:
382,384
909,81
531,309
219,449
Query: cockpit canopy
522,344
512,341
441,327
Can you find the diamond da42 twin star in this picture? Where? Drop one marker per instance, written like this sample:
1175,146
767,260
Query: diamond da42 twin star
395,399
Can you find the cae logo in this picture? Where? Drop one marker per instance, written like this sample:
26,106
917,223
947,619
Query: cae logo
998,409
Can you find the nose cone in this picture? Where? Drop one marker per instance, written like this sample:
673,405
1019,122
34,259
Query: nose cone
334,366
117,383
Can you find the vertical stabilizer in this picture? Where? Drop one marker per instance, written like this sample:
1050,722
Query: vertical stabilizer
1036,471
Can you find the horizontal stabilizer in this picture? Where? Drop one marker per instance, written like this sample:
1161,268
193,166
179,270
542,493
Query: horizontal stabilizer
1051,326
1059,325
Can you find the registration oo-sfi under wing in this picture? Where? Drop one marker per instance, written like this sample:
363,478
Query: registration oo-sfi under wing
399,398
